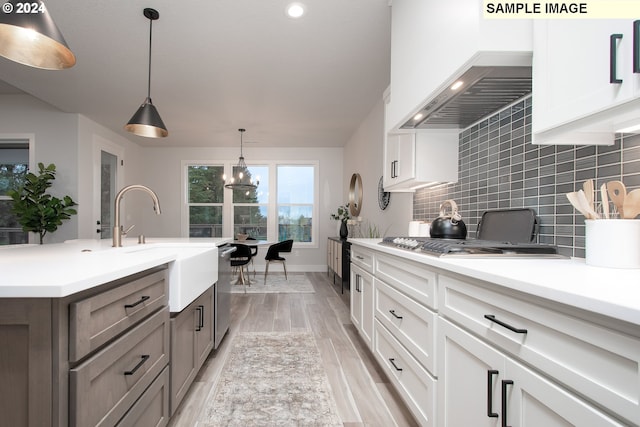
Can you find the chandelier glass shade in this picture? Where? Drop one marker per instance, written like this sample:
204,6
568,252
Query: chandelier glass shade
240,178
29,36
146,121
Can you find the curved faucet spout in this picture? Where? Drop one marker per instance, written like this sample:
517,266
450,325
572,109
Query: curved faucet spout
117,230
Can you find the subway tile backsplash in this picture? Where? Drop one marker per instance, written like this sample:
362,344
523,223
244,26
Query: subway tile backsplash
499,168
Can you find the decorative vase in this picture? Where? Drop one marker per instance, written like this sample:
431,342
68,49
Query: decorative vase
344,231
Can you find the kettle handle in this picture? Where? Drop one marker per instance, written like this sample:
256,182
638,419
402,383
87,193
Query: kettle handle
455,216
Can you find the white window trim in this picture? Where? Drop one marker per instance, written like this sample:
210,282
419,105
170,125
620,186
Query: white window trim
272,217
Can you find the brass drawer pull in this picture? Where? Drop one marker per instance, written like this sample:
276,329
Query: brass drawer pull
145,357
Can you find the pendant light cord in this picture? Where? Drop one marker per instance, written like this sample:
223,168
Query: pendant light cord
150,38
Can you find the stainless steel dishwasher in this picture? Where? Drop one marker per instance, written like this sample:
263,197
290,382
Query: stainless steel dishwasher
222,295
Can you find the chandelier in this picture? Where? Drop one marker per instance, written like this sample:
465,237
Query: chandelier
240,178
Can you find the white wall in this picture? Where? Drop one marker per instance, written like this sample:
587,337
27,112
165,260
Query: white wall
161,170
364,154
55,141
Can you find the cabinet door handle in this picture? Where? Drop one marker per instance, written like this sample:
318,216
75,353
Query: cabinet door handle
505,325
393,312
636,46
199,310
145,357
613,58
201,316
490,374
358,283
393,362
140,301
505,383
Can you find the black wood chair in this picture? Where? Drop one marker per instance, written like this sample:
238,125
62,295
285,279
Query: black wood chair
273,255
240,259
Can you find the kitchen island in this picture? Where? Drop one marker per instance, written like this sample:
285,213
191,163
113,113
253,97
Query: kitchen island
517,341
84,328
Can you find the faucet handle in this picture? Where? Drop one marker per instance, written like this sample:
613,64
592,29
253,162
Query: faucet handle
124,233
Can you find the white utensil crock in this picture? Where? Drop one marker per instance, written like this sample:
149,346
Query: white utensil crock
612,243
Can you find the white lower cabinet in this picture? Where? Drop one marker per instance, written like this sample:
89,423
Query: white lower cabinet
362,303
480,386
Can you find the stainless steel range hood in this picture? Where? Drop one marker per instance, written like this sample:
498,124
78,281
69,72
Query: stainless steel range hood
483,90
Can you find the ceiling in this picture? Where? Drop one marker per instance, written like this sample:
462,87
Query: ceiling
219,65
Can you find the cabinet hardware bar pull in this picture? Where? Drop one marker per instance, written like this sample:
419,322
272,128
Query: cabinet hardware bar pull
394,314
490,374
505,383
359,257
201,316
505,325
636,46
358,283
145,357
140,301
199,310
393,362
613,58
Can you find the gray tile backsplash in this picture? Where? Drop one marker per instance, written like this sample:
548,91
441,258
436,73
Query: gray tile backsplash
499,168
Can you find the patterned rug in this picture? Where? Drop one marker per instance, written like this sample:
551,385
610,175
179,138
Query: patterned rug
276,284
272,379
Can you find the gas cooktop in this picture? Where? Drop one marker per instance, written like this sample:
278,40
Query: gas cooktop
472,247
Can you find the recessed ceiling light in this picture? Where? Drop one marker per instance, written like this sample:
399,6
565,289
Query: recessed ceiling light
295,10
457,85
418,116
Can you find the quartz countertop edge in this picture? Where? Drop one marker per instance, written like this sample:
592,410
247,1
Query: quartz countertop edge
63,269
612,292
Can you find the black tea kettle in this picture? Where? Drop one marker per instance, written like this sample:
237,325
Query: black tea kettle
448,226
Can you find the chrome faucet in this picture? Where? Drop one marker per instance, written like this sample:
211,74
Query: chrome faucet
117,229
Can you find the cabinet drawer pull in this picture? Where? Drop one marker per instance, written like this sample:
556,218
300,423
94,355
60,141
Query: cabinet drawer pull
140,301
505,383
360,258
636,46
613,58
505,325
490,374
145,357
393,362
394,314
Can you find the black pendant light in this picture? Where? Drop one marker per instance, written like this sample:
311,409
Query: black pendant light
240,179
29,36
146,121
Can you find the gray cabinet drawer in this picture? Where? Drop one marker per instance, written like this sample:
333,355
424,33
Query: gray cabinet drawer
152,409
104,387
96,320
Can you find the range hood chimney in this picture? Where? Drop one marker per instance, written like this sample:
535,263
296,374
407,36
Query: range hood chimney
482,91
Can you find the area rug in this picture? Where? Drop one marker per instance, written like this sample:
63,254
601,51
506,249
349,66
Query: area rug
272,379
276,284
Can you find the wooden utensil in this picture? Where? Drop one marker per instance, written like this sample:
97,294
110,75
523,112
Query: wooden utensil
632,204
617,192
586,206
574,199
588,189
605,200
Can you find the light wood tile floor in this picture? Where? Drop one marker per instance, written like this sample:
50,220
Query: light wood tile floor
362,392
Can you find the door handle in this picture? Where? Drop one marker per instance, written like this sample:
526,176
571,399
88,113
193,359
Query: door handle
490,374
505,383
199,310
613,59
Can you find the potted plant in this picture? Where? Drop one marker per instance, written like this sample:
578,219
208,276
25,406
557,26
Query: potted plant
343,216
37,211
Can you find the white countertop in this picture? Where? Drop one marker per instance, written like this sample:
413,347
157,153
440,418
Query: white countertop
59,270
608,291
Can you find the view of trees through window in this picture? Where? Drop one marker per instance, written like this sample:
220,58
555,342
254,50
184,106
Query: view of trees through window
293,206
14,165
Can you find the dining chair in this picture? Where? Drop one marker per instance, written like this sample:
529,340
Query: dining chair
273,255
254,252
240,259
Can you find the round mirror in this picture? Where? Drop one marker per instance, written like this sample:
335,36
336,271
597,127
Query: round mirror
355,195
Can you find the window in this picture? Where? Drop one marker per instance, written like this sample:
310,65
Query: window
296,197
250,208
281,207
14,165
205,199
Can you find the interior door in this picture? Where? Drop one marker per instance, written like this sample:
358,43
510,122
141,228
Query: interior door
108,178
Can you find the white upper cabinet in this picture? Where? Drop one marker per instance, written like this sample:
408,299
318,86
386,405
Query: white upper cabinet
434,41
584,85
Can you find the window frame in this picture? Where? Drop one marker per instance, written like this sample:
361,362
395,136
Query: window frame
29,139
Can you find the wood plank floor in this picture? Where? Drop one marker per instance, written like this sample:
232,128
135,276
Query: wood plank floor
363,394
